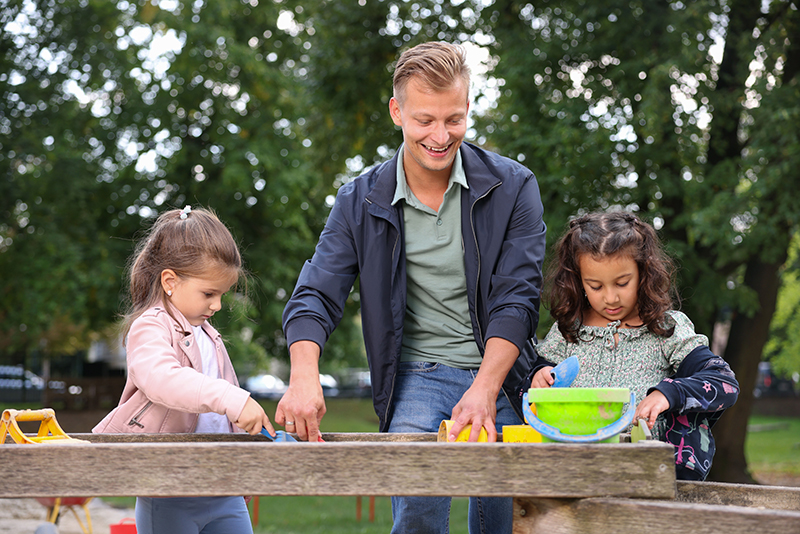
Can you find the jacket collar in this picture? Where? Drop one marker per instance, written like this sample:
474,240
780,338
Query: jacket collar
479,177
183,325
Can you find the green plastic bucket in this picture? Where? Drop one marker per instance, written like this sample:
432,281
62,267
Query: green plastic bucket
579,411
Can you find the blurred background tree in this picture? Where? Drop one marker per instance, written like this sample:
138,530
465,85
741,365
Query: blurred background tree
683,112
115,111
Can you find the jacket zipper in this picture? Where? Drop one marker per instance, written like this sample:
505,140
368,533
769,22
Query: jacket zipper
478,250
135,419
477,319
394,378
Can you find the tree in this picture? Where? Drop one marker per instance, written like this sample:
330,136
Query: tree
253,109
783,347
59,267
630,107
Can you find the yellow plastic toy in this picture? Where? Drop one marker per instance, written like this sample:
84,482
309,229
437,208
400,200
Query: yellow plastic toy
447,424
520,434
56,504
50,432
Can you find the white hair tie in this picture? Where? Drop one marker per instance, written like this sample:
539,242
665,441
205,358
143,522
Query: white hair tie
186,211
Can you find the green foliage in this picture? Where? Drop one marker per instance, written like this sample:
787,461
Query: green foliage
114,111
783,347
625,107
59,264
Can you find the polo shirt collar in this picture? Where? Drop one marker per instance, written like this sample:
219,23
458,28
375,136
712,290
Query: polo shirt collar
402,191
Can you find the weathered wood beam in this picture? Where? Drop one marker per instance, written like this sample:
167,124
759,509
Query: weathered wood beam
246,438
775,497
612,516
254,467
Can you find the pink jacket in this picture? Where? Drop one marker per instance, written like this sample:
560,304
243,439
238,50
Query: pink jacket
166,388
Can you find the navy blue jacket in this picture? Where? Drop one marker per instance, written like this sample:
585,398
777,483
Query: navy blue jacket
503,237
703,387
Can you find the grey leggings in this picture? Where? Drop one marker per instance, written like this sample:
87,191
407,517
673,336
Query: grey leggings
192,515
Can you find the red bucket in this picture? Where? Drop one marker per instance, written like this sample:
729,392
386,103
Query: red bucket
126,526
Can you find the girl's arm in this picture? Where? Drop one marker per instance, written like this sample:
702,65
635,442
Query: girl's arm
155,367
704,382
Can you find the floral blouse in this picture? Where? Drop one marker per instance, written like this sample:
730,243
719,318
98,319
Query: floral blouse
638,361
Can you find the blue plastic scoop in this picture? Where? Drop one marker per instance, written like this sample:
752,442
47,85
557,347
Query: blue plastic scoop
565,372
279,436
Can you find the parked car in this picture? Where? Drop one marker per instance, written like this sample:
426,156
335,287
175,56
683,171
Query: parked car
11,378
330,386
265,386
18,384
769,385
355,383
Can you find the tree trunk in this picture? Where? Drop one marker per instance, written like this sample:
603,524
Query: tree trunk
745,344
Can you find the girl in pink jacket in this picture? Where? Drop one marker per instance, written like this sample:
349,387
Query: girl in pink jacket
180,378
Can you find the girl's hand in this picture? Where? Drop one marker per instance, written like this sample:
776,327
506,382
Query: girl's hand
543,378
253,418
650,407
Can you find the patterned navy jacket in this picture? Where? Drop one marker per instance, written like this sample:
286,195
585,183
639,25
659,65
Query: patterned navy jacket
703,387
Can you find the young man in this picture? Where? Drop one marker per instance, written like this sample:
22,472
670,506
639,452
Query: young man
448,242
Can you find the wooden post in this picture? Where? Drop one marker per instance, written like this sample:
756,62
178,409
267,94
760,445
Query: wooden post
255,510
371,508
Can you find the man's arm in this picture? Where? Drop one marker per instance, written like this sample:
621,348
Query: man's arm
312,313
303,404
478,406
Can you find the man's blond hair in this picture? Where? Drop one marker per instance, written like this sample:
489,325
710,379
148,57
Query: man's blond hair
438,65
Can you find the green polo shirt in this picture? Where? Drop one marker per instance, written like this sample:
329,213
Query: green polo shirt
437,325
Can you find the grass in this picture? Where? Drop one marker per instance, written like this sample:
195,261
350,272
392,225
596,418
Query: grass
775,447
336,515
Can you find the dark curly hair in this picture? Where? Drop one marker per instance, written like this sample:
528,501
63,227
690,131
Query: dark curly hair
602,235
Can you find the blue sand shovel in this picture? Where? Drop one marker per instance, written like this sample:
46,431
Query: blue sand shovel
565,372
279,436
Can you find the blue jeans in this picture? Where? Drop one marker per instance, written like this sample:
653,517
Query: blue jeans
424,396
192,515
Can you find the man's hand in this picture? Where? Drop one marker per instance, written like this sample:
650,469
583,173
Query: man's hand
303,405
478,406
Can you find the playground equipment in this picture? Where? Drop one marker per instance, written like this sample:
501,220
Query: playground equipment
50,433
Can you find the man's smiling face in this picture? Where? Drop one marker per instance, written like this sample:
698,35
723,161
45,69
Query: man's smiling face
434,124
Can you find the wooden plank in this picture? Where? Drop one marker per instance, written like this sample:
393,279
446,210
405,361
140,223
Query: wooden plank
751,495
607,516
246,438
345,468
